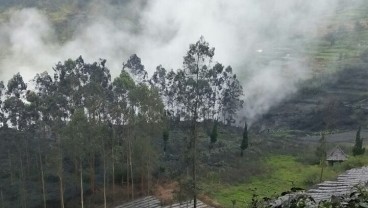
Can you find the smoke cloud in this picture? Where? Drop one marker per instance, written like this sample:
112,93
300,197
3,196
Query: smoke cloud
262,40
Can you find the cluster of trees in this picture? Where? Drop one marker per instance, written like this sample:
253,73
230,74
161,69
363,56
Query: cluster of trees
79,130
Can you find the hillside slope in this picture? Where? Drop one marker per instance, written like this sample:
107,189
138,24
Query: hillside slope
335,98
340,101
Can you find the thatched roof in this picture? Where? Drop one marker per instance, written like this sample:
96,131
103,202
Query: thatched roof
336,154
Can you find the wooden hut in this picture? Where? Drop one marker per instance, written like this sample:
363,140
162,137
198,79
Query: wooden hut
336,155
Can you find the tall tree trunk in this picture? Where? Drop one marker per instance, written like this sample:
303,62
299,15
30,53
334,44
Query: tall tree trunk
113,164
113,176
131,168
41,168
104,177
76,176
61,191
127,175
321,176
148,174
195,117
104,172
2,199
10,169
194,164
22,185
61,181
81,183
92,173
43,182
27,157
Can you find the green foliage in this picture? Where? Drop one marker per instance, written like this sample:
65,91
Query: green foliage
358,148
358,197
284,172
124,82
89,124
353,162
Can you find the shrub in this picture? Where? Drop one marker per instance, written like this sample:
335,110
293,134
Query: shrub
354,162
311,179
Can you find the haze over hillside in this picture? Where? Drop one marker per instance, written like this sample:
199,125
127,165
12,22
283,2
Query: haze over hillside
230,102
257,38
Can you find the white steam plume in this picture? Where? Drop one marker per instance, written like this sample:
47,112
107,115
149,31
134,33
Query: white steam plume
262,40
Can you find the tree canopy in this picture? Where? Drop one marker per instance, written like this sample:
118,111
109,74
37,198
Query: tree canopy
77,118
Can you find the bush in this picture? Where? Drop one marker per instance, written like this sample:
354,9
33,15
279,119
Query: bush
354,162
308,158
311,179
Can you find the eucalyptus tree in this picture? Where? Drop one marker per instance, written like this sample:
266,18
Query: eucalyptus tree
36,129
55,106
14,106
66,97
101,129
68,78
147,124
162,81
76,143
201,91
96,88
216,78
95,91
121,114
135,67
170,94
45,90
231,96
192,88
52,104
158,79
2,115
136,107
15,109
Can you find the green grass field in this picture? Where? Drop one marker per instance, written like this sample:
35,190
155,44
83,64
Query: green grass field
283,173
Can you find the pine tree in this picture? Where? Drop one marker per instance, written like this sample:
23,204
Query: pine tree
165,137
214,134
358,148
244,143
